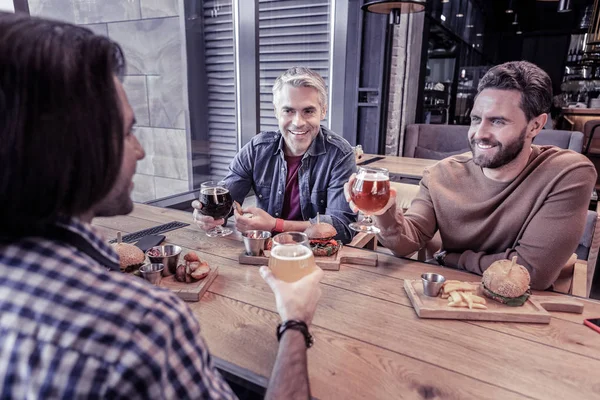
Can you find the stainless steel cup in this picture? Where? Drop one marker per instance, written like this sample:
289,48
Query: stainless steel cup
152,272
432,284
254,241
168,255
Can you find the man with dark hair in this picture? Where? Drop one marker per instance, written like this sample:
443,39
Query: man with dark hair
298,171
508,197
70,326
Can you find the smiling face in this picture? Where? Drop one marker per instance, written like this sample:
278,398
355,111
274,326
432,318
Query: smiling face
299,113
500,136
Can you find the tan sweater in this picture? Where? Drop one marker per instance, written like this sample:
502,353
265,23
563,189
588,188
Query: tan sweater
539,216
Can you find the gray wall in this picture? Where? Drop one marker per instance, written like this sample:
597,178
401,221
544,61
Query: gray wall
149,33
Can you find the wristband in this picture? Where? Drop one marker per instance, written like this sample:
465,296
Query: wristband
297,326
278,225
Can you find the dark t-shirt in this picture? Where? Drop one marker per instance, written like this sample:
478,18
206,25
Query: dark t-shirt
291,200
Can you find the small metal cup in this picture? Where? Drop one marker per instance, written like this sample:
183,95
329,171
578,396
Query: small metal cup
432,284
254,241
168,255
152,272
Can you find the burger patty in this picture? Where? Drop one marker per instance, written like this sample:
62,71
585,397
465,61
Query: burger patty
324,247
509,301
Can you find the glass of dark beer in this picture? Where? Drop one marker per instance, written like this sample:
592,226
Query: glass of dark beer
217,203
370,192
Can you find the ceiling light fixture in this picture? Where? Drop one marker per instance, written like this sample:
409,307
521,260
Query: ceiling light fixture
460,14
395,8
564,6
515,22
509,8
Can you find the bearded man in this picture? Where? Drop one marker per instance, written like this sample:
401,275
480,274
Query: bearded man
508,197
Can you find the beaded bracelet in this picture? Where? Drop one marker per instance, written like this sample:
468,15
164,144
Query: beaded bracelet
298,326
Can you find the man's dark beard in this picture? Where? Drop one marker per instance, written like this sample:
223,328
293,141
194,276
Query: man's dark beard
504,155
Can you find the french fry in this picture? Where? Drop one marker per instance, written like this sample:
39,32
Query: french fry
455,297
238,207
457,304
451,281
467,298
465,305
478,299
461,286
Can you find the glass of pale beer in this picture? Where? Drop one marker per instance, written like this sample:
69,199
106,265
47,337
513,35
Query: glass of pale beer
370,192
291,256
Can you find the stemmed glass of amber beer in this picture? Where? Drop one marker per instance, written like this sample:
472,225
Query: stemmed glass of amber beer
370,193
291,256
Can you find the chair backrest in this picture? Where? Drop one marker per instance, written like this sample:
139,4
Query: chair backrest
435,142
591,131
440,141
572,140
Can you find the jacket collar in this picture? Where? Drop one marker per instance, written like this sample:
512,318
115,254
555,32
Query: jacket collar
316,148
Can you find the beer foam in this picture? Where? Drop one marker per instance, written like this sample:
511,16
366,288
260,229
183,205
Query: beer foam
373,176
214,190
291,252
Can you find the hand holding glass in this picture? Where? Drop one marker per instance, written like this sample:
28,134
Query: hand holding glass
370,193
291,256
217,203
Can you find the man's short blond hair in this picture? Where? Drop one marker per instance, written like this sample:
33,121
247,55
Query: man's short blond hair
301,77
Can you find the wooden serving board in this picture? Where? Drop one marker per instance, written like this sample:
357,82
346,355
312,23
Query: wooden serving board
535,310
192,291
346,255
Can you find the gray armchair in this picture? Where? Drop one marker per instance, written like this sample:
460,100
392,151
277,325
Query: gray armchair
572,140
440,141
435,142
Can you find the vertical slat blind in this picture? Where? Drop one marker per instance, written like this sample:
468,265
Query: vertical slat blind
219,59
291,33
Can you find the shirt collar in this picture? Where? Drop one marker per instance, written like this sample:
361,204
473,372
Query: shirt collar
91,235
316,148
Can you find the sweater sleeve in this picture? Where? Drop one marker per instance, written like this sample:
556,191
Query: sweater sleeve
552,235
405,234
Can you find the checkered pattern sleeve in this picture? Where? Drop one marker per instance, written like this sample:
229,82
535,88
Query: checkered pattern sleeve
170,359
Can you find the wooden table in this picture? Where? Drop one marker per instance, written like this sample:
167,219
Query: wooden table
578,117
370,344
406,167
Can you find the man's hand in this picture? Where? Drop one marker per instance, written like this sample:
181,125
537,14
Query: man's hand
347,188
295,300
204,222
259,220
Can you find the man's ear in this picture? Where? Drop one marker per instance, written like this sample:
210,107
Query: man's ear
536,125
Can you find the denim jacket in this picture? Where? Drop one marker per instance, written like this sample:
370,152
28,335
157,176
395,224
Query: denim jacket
327,164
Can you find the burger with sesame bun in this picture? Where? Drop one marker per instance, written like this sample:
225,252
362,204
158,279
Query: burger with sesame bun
130,256
507,282
321,239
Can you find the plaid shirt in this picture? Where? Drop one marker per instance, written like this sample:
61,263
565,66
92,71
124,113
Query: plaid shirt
71,329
